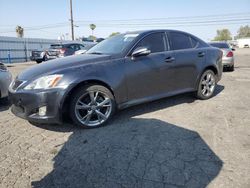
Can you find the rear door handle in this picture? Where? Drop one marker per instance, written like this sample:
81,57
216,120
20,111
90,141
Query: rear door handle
169,59
201,54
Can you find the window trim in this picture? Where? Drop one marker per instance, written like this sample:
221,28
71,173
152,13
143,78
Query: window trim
197,44
134,46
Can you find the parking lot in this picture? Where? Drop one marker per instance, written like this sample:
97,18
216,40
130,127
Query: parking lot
173,142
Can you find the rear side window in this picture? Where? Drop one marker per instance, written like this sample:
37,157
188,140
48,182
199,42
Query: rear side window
81,47
56,46
154,42
74,47
180,41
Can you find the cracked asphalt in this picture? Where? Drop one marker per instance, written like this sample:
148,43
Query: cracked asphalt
174,142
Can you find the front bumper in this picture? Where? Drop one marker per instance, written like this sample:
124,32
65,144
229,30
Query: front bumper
33,58
26,105
5,80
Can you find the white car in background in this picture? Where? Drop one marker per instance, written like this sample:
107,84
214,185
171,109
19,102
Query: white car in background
5,80
228,55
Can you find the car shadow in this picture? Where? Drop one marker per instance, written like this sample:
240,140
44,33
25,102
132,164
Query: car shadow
4,104
133,152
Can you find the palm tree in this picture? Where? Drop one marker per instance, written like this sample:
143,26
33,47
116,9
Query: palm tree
19,31
92,27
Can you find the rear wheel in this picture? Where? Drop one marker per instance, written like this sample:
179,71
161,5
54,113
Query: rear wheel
92,106
207,85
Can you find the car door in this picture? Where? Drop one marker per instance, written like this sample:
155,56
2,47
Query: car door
189,58
152,75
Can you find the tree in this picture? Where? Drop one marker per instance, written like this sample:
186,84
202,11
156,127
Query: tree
92,37
114,33
92,27
243,32
223,35
19,31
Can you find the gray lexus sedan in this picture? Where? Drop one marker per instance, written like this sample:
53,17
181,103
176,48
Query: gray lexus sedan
5,80
119,72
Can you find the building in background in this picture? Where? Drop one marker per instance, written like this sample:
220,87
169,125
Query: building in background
243,42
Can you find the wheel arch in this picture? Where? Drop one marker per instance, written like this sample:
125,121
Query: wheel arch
210,67
66,101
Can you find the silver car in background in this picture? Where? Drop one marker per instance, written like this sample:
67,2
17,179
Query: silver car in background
228,55
5,80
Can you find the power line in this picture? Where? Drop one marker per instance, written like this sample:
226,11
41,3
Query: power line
240,18
170,18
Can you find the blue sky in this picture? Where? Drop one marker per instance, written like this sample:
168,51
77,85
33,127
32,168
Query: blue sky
28,13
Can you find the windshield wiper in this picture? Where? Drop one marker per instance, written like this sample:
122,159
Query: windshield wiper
97,53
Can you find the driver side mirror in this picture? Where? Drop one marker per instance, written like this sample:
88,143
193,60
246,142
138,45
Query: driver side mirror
141,51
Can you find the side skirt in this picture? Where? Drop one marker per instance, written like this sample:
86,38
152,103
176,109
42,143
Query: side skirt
152,98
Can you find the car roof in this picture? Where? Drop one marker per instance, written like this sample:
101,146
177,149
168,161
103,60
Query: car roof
155,30
67,43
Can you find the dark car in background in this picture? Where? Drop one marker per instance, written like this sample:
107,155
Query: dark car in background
119,72
228,55
61,49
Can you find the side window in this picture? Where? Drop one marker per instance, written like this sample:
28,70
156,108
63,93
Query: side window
77,47
74,47
71,47
81,47
180,41
195,42
154,42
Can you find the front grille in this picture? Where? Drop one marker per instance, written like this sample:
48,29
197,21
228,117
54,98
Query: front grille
16,84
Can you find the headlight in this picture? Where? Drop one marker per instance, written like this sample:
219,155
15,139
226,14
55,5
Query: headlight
45,82
42,54
3,67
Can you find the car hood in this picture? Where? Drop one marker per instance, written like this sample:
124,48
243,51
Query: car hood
56,65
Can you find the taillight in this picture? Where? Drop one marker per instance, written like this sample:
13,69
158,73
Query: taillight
62,50
230,54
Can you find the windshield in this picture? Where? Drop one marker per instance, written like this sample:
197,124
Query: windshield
219,45
113,45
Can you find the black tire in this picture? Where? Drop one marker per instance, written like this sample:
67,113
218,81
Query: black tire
45,58
85,92
231,68
38,61
200,92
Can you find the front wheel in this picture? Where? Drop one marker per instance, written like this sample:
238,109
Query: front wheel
92,106
207,85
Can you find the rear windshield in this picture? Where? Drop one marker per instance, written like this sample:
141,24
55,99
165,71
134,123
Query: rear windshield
56,46
220,45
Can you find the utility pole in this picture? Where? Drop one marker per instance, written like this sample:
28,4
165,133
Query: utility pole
71,20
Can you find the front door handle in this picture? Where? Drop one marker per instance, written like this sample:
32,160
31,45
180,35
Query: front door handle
169,59
201,54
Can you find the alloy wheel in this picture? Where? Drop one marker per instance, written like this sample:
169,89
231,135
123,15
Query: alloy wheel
208,84
93,108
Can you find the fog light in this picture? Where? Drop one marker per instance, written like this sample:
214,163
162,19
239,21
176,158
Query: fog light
42,111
